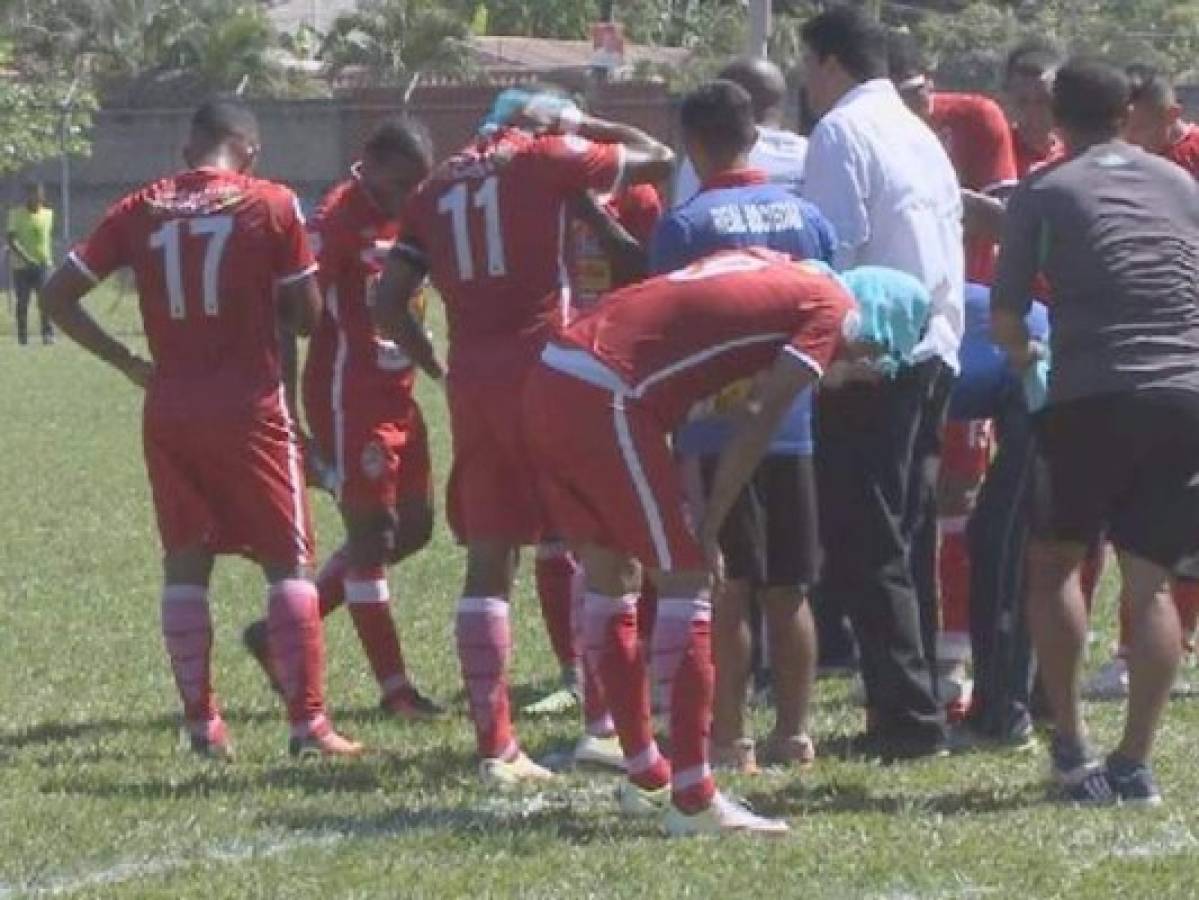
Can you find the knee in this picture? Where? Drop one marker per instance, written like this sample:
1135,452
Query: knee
412,532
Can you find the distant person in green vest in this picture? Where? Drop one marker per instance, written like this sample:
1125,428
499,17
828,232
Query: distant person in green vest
29,232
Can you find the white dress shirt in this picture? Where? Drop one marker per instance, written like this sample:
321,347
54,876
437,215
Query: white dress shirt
778,153
883,179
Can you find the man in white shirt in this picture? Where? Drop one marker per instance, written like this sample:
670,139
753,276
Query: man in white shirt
882,178
778,152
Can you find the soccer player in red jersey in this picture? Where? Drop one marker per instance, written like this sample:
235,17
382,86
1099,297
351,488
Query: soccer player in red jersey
219,258
359,404
1155,119
489,227
1027,88
599,413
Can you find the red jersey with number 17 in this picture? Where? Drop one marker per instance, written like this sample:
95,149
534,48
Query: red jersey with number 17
680,338
208,249
489,226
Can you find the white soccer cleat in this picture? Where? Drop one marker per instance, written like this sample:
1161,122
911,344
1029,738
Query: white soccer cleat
1109,683
639,803
599,751
506,774
722,816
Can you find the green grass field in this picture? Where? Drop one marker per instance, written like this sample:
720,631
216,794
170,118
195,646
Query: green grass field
97,799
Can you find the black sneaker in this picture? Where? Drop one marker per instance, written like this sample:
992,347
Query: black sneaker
1132,782
1076,771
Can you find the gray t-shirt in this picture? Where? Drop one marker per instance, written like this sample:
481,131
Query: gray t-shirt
1116,232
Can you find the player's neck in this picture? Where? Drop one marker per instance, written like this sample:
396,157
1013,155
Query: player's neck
219,159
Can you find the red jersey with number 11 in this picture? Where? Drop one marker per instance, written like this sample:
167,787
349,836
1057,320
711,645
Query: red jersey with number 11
208,249
489,226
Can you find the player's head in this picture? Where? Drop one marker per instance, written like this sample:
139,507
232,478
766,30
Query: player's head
718,127
1028,85
1154,111
35,195
1090,101
910,74
396,157
224,133
843,47
765,84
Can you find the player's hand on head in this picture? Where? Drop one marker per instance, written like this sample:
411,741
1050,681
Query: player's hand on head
545,112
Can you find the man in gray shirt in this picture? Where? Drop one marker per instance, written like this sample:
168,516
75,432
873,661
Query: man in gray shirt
1116,232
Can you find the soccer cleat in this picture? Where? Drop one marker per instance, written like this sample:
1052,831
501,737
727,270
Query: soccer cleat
326,744
213,742
1110,682
721,816
1132,783
506,774
254,639
599,751
637,802
795,751
556,703
1071,765
737,758
408,703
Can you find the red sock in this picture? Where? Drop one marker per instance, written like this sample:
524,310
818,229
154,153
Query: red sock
1186,598
610,627
556,571
682,665
953,643
597,718
187,633
298,651
484,645
367,596
330,581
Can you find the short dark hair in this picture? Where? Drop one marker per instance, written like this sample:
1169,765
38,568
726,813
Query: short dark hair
850,36
905,59
720,115
220,118
1147,84
399,137
762,80
1090,95
1034,58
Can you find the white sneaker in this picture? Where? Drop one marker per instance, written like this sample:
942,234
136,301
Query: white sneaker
1110,682
600,751
502,774
722,815
639,803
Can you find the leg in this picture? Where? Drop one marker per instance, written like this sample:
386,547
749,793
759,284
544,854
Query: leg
39,279
22,287
792,634
732,647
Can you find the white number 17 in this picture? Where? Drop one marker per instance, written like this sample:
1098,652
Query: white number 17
169,239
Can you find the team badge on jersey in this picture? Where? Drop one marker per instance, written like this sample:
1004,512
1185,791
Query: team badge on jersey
374,461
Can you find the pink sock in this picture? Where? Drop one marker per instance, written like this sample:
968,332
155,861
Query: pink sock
330,581
298,651
683,673
368,598
610,628
187,633
953,643
484,645
597,719
556,571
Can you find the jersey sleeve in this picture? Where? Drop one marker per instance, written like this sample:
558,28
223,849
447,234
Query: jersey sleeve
294,259
992,162
638,209
573,163
106,249
816,342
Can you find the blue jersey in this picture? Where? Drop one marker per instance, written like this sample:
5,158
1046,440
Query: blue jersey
986,377
742,209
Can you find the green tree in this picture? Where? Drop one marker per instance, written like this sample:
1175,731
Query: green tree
395,39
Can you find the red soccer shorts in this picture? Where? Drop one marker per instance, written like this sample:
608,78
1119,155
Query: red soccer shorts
605,472
966,450
379,448
230,482
492,488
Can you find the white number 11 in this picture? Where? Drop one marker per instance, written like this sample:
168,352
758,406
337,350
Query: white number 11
487,198
169,240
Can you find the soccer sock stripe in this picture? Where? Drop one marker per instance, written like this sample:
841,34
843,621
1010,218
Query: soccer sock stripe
298,649
187,635
484,642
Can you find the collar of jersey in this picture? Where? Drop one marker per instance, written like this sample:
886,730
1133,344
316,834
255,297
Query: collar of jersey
736,178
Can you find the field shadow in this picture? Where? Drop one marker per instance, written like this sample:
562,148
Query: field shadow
800,799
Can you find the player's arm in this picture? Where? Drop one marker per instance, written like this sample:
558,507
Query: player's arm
62,299
646,159
1015,272
299,304
755,426
394,319
628,256
982,214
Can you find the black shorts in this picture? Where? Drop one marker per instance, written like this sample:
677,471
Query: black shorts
771,537
1126,465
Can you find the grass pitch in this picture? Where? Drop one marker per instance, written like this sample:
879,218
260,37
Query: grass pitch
97,798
